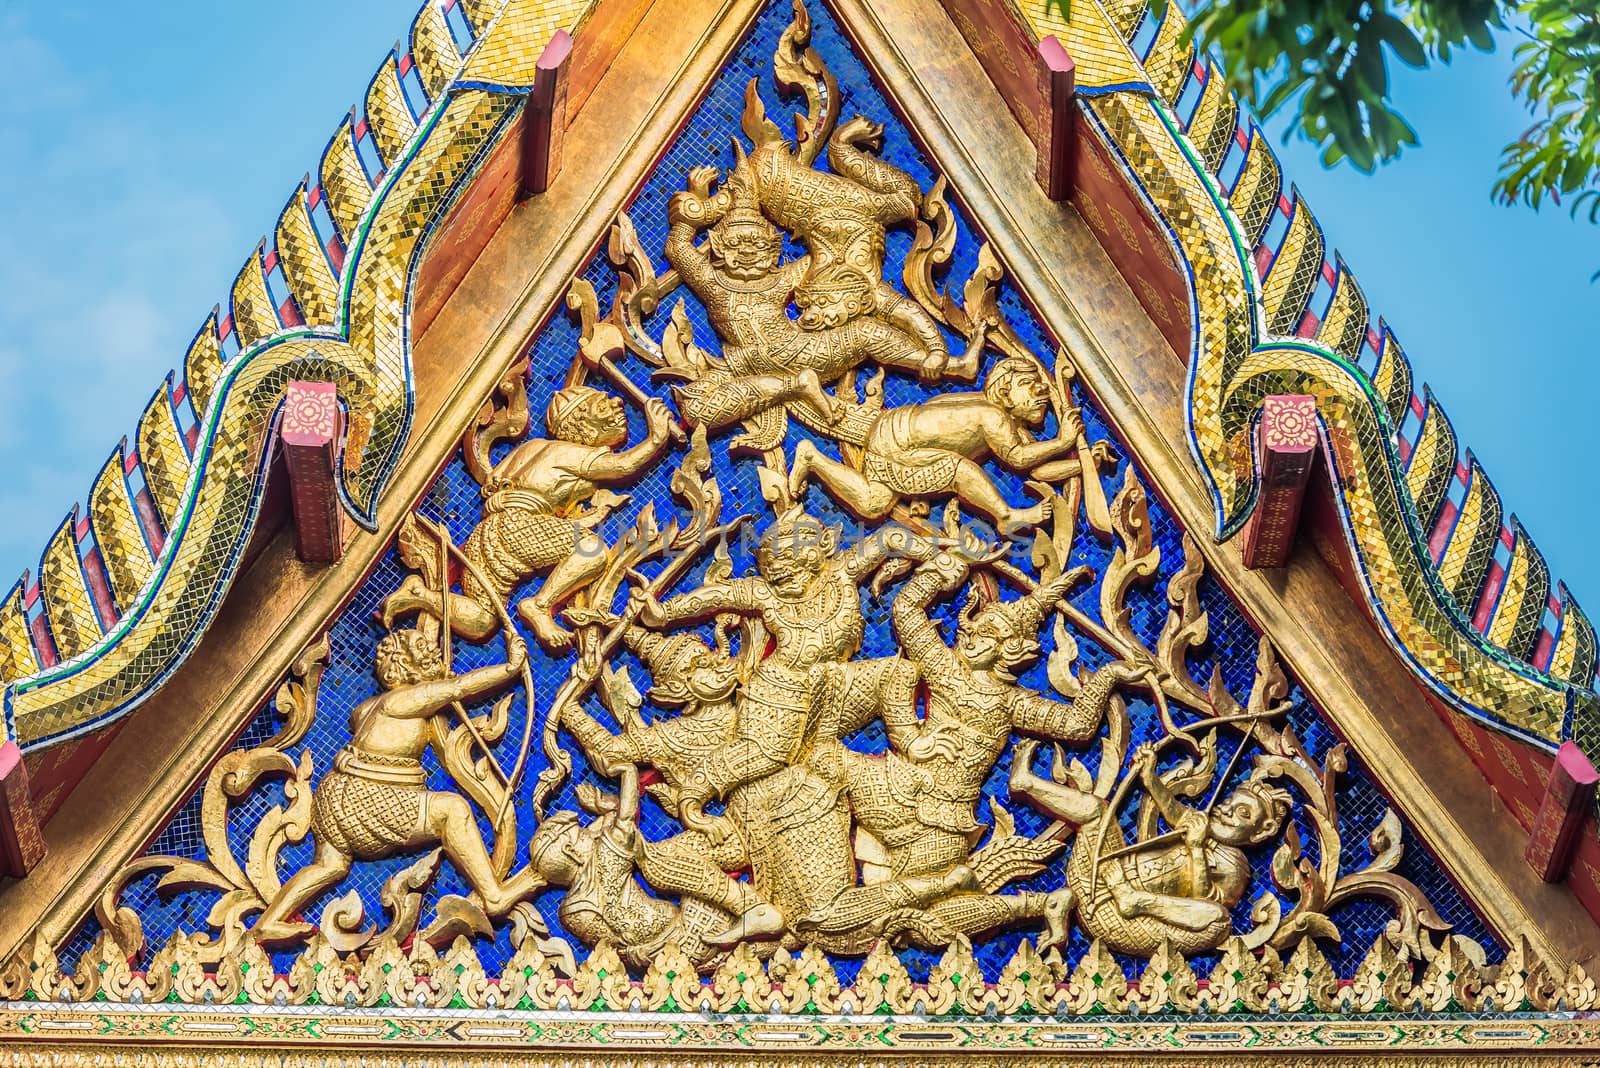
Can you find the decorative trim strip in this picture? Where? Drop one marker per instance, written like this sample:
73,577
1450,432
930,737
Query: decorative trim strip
796,1002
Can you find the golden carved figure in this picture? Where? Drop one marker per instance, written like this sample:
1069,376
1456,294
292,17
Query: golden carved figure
702,682
920,812
541,504
848,314
596,864
374,801
807,598
937,447
782,779
746,291
1181,893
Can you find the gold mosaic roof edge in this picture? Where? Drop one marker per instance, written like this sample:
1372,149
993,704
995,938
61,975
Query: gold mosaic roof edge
1257,334
386,177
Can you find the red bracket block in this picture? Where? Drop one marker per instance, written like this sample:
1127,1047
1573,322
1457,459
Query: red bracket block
1286,448
545,116
1055,151
21,841
310,434
1567,797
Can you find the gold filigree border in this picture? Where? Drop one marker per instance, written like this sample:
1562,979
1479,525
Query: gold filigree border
218,1056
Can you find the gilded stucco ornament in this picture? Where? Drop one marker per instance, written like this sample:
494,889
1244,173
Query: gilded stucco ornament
744,737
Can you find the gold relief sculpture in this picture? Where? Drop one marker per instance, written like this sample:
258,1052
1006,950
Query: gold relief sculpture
541,503
792,843
374,801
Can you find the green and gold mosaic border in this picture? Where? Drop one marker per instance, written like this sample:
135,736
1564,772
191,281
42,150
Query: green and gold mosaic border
356,334
1242,352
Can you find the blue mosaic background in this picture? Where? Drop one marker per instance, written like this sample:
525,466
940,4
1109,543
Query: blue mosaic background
455,500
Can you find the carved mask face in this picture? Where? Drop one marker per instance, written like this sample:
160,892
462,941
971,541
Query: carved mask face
822,309
606,420
979,643
560,849
712,678
789,568
744,250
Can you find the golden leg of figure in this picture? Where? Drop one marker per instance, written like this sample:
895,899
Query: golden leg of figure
585,564
806,386
965,366
327,867
976,914
1068,804
868,500
451,821
1191,914
861,907
468,618
975,490
690,866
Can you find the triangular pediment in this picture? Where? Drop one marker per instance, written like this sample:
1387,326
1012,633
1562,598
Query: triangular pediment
944,712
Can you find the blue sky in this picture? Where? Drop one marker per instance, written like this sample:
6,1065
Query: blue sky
147,147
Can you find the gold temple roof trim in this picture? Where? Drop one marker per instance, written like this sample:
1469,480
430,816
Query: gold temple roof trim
1248,343
205,489
447,1001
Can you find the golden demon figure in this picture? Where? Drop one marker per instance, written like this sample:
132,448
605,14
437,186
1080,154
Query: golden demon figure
692,676
848,314
782,778
922,810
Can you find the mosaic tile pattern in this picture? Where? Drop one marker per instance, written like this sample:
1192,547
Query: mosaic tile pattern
455,500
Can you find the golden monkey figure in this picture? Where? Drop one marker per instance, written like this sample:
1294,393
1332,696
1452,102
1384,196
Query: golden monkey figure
374,801
539,516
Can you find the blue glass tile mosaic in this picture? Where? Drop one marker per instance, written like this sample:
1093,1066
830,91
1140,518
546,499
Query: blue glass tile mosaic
456,501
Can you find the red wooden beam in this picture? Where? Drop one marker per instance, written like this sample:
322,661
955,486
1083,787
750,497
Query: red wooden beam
1055,149
21,843
310,434
1286,448
545,116
1568,795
